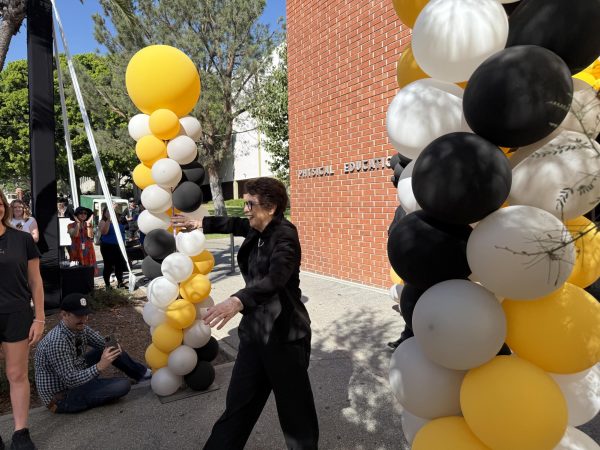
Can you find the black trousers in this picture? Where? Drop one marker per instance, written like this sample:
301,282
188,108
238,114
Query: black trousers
113,260
258,369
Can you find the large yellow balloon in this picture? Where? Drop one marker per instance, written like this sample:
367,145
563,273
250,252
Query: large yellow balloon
203,262
447,433
150,149
160,76
181,314
142,176
511,404
408,10
196,288
156,358
559,332
164,124
407,69
394,277
166,338
587,246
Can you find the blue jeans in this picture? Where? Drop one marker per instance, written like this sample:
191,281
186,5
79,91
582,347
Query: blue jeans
100,391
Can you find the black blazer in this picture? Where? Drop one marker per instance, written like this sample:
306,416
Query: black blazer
270,264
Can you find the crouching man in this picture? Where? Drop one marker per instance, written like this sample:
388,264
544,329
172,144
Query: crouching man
67,374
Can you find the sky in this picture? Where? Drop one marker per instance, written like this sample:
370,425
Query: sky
79,27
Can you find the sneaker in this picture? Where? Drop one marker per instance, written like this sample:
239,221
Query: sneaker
21,440
147,375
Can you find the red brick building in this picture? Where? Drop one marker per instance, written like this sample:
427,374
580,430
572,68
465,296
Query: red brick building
342,59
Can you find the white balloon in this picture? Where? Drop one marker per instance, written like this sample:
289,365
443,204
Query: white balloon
411,425
156,199
451,38
508,1
406,196
182,360
197,334
408,170
575,439
190,244
582,392
152,315
148,221
559,177
191,126
423,387
396,292
206,303
198,214
520,252
421,112
139,126
165,382
459,324
177,267
163,292
182,149
584,114
166,172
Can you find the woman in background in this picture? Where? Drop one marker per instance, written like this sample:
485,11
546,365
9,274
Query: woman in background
109,248
21,220
20,281
82,237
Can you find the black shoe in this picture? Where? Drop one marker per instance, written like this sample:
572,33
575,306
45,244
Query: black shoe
394,344
21,440
2,447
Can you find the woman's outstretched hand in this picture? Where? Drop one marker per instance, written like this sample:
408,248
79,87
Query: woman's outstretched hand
221,313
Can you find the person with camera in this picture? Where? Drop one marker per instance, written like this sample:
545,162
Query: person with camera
82,237
67,374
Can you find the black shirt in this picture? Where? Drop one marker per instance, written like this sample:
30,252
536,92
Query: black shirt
270,264
16,249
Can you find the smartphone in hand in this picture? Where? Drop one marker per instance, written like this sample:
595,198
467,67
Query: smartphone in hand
111,341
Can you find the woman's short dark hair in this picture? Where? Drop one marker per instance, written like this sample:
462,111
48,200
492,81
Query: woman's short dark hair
270,192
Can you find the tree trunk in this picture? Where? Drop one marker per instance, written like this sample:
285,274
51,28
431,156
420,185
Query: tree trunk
11,21
6,34
216,191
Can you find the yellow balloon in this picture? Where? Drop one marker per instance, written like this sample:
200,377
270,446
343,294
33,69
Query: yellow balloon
463,84
166,338
511,404
150,149
196,288
407,69
160,76
559,332
408,10
203,262
395,278
446,433
587,246
181,314
142,176
164,124
586,77
156,358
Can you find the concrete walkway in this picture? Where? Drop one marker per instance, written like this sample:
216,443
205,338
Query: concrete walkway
349,366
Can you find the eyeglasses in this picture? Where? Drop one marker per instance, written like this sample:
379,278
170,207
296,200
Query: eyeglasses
250,204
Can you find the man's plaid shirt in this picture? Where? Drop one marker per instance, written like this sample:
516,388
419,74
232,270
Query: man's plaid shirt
60,360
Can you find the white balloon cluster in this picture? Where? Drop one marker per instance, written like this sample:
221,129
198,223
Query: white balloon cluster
524,252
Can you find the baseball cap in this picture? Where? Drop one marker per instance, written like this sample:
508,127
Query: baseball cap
76,303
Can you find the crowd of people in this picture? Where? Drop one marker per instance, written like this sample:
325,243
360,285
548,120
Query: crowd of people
275,332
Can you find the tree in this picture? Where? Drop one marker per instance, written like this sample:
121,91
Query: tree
110,126
269,108
12,13
227,44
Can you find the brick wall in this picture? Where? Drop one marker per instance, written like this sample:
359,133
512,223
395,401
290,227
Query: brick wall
342,76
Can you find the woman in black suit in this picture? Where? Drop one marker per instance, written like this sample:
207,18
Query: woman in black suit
274,331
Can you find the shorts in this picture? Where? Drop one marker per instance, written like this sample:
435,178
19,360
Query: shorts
15,326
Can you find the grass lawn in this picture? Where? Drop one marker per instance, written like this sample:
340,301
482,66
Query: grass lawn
235,208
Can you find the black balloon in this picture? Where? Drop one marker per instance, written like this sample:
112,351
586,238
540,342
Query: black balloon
201,377
398,215
394,180
504,350
424,251
394,160
151,268
209,352
510,7
193,172
187,197
398,169
159,244
408,300
461,178
569,28
518,96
